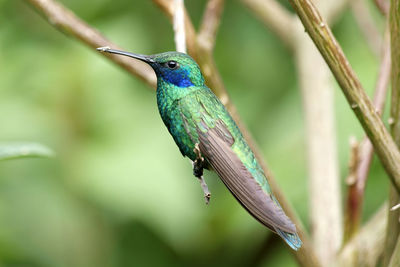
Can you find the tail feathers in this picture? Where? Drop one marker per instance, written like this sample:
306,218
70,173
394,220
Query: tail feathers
293,240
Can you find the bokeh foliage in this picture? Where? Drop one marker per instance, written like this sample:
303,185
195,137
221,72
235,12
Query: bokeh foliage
118,192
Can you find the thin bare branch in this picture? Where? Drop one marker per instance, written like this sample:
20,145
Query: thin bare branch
318,103
352,216
66,21
179,26
355,194
351,87
275,17
365,248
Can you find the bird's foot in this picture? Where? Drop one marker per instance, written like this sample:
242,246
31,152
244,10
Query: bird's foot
207,194
198,166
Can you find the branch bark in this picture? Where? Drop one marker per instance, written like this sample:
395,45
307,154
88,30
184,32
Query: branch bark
318,104
351,87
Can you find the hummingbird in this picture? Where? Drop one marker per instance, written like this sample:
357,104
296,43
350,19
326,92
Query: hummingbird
205,132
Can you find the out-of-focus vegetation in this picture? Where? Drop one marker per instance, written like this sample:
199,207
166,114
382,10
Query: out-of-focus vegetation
12,150
118,192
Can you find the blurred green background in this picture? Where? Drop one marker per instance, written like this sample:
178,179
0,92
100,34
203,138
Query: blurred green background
118,192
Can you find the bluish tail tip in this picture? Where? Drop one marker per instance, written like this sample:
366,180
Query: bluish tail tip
293,240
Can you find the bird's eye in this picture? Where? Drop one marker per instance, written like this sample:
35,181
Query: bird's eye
172,64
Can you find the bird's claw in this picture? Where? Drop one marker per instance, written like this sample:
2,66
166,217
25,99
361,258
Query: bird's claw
207,194
198,166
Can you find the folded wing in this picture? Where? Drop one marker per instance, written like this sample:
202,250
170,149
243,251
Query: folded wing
215,145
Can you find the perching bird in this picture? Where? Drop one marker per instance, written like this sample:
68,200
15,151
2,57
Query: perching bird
206,133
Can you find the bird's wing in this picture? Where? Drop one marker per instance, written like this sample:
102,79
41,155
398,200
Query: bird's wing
216,146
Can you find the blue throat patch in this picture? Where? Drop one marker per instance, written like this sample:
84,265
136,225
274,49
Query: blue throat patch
179,77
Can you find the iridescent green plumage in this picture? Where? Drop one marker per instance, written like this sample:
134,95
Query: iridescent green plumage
196,119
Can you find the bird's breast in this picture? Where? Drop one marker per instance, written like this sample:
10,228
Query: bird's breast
171,112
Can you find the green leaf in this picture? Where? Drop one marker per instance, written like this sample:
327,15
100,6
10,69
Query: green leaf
23,150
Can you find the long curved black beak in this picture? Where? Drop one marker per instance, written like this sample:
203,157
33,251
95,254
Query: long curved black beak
144,58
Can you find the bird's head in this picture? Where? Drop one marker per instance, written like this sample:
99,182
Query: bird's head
173,68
